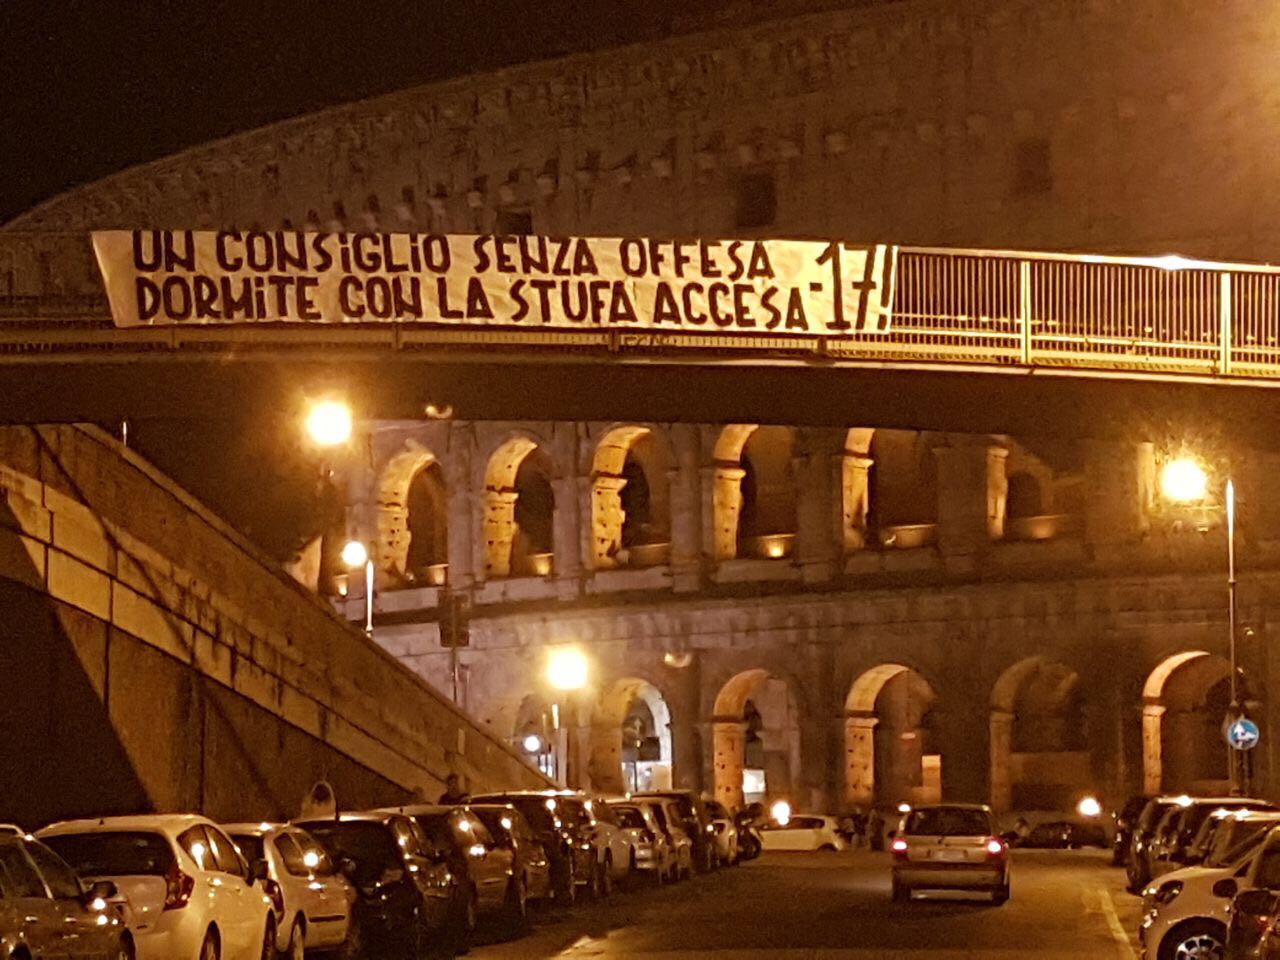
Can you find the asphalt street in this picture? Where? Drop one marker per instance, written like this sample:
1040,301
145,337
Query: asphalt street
836,906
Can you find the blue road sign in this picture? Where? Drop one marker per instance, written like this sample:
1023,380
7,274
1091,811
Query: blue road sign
1243,734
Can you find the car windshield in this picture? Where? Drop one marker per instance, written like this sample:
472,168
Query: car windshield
436,827
948,822
250,846
1231,842
366,843
630,817
122,854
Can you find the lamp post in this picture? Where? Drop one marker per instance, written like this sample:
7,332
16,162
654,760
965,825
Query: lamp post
567,672
355,555
1183,480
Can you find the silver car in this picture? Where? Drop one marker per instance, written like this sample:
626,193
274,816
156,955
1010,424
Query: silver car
950,846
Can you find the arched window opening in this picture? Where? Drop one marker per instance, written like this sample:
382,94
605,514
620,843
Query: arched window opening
637,508
427,524
903,483
534,518
630,512
519,517
1184,702
755,492
756,741
891,753
631,738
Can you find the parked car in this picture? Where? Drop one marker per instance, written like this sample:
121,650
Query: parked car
45,910
655,857
725,833
486,869
1126,819
667,816
311,899
572,856
695,821
508,826
1064,835
190,893
949,847
1187,910
408,901
1180,825
1137,864
803,831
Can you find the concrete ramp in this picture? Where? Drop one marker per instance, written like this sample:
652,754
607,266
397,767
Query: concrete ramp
152,659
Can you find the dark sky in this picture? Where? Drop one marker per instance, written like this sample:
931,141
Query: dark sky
91,86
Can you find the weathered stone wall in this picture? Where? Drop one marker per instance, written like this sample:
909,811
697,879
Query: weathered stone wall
1081,124
152,660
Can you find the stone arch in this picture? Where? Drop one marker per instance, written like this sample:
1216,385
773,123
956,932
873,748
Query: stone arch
519,509
902,501
394,485
630,502
756,719
888,740
755,493
617,765
1184,702
1037,736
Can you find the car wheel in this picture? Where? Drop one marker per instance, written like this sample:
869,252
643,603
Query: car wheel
901,892
1194,941
210,949
297,948
269,939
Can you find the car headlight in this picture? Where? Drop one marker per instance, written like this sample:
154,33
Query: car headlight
1168,892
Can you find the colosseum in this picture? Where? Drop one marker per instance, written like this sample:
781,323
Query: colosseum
839,616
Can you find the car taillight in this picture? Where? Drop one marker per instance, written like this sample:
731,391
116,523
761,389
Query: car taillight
178,888
899,848
995,847
277,896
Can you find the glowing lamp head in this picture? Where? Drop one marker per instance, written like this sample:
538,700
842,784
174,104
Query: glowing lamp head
355,554
532,743
1183,480
1089,807
329,423
567,669
781,813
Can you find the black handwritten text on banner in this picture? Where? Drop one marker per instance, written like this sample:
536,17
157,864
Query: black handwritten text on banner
751,287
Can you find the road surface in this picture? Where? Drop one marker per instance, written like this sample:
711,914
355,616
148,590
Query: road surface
835,906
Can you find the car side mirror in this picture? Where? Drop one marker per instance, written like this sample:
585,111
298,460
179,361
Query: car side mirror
1225,888
257,871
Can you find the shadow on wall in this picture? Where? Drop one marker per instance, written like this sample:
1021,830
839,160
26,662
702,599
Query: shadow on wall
93,721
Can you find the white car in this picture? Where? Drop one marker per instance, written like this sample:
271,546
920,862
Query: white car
950,846
803,831
616,846
655,856
191,896
1182,916
311,899
725,831
667,816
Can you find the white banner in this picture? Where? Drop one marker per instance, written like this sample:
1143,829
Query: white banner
748,287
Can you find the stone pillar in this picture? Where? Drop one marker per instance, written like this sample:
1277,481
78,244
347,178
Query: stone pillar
853,481
499,524
1001,761
860,760
1119,483
607,518
728,755
816,548
726,504
1152,748
972,487
566,542
686,510
605,763
460,526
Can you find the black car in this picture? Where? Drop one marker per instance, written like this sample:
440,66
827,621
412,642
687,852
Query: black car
406,893
1064,835
570,852
696,821
1126,820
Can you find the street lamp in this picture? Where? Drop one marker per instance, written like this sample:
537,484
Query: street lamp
567,671
355,555
329,423
1183,480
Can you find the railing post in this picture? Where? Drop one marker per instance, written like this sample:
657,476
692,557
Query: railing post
1024,309
1224,330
